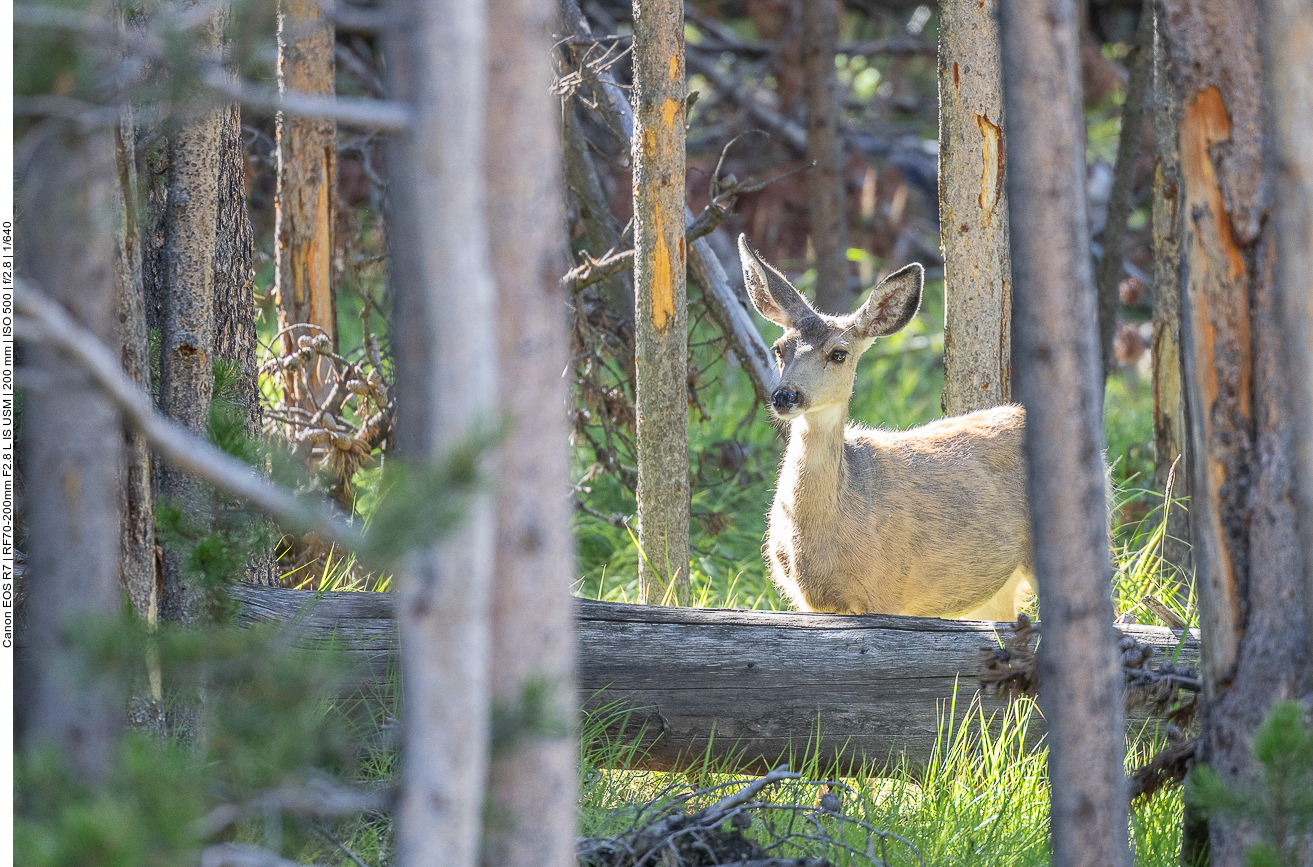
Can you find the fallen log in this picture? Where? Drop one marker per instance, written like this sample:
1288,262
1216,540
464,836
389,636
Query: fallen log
747,689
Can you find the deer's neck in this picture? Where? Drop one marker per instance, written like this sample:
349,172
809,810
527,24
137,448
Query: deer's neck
813,470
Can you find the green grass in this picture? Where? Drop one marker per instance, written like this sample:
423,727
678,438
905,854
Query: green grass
982,799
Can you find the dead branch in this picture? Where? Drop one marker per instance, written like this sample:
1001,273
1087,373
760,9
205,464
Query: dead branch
41,320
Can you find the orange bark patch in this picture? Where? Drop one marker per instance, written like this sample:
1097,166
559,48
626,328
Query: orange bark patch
991,172
1205,123
670,111
663,289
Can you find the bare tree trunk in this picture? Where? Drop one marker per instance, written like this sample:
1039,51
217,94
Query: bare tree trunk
1288,57
187,332
661,304
446,354
234,268
973,205
1058,379
138,570
305,200
1171,423
827,213
1119,199
1255,644
72,444
533,777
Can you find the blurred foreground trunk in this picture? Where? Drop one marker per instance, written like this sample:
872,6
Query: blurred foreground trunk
72,442
445,340
1060,382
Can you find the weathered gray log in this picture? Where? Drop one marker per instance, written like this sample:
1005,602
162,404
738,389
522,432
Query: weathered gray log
749,689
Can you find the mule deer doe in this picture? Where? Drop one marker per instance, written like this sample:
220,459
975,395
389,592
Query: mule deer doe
931,521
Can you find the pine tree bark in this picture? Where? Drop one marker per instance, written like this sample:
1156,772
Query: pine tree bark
304,205
532,779
827,213
661,327
187,324
445,339
973,205
1059,382
72,443
1288,58
138,568
1171,422
234,268
1249,569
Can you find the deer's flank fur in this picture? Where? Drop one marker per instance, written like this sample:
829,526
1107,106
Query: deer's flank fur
931,521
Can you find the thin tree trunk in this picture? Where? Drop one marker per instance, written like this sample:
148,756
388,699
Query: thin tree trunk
1123,181
973,205
532,780
1058,380
661,329
1255,645
187,332
446,346
305,200
234,269
827,213
72,444
1171,423
1288,55
138,569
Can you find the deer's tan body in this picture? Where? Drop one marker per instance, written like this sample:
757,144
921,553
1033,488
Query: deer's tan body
931,521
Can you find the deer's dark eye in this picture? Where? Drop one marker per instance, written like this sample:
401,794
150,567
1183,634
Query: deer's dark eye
779,353
838,356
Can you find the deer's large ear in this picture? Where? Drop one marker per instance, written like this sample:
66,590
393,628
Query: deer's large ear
772,295
892,304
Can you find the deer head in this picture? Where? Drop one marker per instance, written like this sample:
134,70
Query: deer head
817,354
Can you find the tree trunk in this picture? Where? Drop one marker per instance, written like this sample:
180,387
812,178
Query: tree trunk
533,778
827,213
1059,383
661,310
1123,182
234,269
973,205
187,332
303,211
1288,56
1171,423
72,444
1249,566
445,340
138,570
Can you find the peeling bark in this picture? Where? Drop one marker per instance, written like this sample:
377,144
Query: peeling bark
1255,646
973,207
661,327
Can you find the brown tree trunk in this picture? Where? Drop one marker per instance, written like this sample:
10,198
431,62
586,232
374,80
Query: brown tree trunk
1255,645
1170,419
234,269
827,213
72,443
1059,383
445,340
187,323
1288,58
661,310
532,780
973,207
306,191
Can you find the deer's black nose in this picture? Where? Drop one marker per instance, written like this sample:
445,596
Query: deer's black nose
785,399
